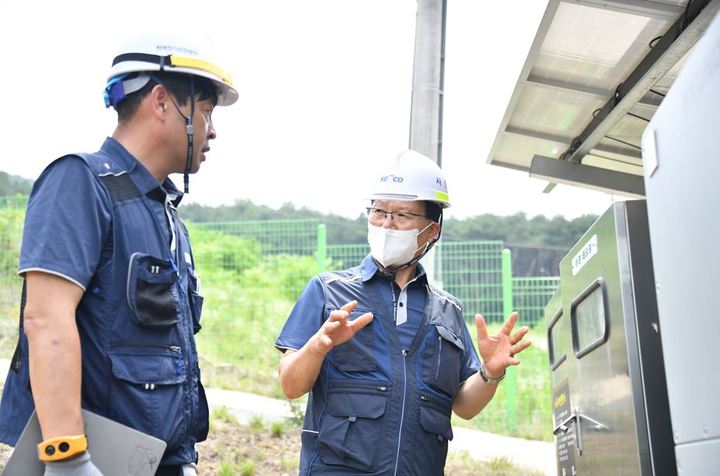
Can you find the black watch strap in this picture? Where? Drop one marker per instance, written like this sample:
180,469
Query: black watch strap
487,378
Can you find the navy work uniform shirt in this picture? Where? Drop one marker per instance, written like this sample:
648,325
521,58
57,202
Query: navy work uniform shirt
382,394
103,222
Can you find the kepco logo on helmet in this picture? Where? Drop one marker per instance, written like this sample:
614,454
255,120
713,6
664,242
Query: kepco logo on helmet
392,178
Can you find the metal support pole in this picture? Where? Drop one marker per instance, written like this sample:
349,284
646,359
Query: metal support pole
510,377
427,92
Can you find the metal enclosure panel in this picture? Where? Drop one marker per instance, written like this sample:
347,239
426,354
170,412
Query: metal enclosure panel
613,371
694,460
681,153
600,386
558,338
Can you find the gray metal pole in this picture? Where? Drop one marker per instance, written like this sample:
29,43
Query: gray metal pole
427,94
428,78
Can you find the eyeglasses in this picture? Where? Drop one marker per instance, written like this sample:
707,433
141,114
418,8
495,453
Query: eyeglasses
377,215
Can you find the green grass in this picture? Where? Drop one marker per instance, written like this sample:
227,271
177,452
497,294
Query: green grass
236,344
277,429
222,414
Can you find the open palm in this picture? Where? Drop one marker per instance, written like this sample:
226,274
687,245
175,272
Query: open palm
498,352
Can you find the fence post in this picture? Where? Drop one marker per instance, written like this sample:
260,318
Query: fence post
321,247
510,378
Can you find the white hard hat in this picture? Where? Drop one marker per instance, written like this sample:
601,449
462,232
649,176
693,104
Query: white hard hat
411,176
174,53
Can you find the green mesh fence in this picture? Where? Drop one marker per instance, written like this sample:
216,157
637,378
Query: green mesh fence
531,294
254,271
346,256
472,272
294,237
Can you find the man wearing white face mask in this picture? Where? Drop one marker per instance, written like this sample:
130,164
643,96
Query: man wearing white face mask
385,355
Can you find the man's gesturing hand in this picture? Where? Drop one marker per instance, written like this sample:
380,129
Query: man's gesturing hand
338,328
498,352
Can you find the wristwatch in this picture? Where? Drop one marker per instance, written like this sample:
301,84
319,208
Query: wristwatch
488,379
62,447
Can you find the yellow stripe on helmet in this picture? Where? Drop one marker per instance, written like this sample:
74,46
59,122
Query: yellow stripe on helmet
184,61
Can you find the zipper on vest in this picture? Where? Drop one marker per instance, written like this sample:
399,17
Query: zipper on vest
404,353
394,302
173,348
437,370
174,240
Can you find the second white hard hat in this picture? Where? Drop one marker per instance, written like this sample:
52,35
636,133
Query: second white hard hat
411,176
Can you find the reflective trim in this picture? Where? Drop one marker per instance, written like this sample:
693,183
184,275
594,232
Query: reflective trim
442,196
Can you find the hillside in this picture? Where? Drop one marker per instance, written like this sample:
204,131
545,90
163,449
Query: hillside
12,184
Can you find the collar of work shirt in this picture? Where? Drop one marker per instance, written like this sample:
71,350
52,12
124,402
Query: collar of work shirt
400,305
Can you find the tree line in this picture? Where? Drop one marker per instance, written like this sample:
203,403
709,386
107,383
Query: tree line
517,229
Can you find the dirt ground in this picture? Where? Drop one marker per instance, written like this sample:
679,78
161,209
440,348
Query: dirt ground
233,449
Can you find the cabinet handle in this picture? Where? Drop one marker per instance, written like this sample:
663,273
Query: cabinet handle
576,417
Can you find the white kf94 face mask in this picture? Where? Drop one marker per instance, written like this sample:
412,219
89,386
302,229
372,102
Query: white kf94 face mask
392,248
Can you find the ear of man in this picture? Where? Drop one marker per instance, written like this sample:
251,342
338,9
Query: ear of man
159,98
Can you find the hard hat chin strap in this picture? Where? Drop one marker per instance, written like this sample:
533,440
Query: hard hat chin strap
188,127
189,131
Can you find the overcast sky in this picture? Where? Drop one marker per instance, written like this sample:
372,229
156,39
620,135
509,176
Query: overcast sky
324,95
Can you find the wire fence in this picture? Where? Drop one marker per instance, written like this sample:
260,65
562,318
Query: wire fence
253,272
292,237
470,270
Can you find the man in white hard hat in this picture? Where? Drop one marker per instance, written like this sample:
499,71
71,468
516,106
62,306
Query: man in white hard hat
385,355
110,298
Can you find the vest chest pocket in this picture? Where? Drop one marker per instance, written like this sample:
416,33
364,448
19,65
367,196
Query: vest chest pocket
443,357
357,354
151,291
352,427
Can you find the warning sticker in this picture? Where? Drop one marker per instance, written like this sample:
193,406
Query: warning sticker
565,435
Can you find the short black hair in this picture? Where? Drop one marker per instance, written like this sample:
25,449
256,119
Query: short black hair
177,84
433,211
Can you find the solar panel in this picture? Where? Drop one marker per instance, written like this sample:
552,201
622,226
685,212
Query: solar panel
593,79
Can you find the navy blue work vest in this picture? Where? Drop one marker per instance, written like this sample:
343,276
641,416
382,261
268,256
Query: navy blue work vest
376,407
136,319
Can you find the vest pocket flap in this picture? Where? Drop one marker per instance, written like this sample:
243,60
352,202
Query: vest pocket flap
161,369
434,421
448,335
356,405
